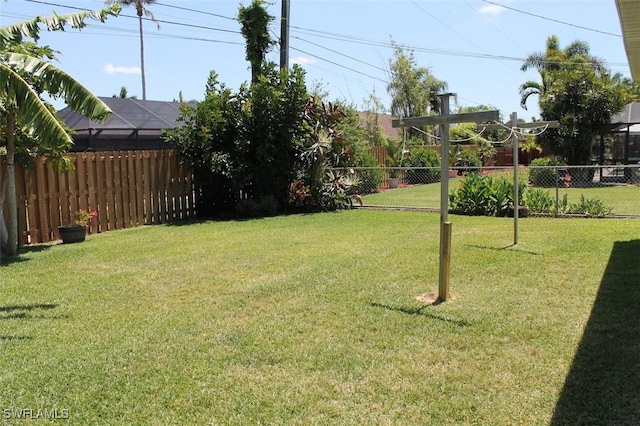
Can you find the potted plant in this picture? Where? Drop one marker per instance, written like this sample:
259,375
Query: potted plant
77,231
395,155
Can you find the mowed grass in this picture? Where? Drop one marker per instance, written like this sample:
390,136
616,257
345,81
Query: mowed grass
624,199
308,319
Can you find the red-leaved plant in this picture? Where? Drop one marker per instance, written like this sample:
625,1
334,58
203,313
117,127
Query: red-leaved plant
82,217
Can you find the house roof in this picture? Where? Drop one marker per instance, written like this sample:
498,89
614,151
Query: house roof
629,14
129,116
629,116
384,120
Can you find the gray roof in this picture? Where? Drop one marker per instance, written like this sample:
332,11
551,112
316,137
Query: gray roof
129,116
629,115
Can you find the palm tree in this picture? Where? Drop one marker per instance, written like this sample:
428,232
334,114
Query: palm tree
578,91
140,11
532,87
555,59
22,109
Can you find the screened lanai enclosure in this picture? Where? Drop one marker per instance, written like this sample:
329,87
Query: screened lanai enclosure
622,145
133,125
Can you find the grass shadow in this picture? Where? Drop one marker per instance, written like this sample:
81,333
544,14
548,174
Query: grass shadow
8,260
421,311
14,338
511,247
11,308
25,311
603,383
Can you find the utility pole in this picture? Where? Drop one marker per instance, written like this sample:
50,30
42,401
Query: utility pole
444,120
284,36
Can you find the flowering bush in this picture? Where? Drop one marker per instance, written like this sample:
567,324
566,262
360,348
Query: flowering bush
83,216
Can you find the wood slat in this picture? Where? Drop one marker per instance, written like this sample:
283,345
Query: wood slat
126,188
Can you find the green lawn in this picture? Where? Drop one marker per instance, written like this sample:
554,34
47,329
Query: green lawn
312,319
625,199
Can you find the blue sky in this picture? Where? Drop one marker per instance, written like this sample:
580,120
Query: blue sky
476,46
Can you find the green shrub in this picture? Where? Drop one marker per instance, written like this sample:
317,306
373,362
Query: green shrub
467,161
484,195
543,171
539,201
262,206
422,158
371,175
590,207
339,189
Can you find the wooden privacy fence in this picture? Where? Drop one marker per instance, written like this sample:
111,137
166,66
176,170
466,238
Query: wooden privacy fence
126,188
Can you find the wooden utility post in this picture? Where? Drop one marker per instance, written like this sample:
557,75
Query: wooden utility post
444,120
284,36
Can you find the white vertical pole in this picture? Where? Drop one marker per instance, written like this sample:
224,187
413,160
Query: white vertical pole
516,187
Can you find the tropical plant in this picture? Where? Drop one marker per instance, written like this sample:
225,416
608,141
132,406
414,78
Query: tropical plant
396,153
23,77
339,189
590,207
578,91
141,11
538,201
484,195
327,156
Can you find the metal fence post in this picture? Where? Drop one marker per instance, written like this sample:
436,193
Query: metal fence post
557,190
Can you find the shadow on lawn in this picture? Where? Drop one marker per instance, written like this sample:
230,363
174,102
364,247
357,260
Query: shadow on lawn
25,311
603,384
421,311
8,260
510,247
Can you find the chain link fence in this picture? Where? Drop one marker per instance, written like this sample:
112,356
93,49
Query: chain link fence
558,191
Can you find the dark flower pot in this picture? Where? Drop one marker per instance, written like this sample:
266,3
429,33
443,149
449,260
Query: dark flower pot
72,233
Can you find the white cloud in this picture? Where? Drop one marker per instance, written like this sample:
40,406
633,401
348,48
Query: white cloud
112,69
492,9
303,60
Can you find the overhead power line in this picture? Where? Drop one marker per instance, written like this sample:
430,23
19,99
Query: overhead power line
196,11
340,65
546,18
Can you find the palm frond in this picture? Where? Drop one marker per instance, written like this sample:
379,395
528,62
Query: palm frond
32,112
15,33
58,84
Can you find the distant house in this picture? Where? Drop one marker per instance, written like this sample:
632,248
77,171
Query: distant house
134,124
384,120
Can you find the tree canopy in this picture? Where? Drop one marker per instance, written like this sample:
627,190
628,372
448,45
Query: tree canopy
413,89
576,89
